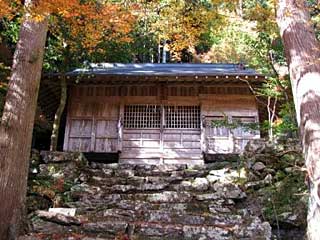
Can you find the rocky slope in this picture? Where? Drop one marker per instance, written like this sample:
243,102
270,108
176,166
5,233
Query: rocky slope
276,186
221,200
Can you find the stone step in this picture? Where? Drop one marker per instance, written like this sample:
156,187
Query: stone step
98,178
162,216
175,182
68,236
157,231
220,206
186,191
159,225
96,195
220,229
163,168
253,229
176,217
105,228
152,171
153,202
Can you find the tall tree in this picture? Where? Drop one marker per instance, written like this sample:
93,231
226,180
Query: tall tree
58,114
303,54
17,123
90,20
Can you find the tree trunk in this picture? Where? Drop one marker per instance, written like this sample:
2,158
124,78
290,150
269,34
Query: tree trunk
17,124
57,116
303,54
159,52
240,8
164,52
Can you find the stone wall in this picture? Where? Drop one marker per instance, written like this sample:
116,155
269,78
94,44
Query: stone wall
275,184
219,200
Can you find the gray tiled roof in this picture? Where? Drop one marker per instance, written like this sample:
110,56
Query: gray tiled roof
150,69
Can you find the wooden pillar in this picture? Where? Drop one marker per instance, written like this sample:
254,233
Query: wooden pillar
68,122
120,126
162,122
93,134
203,133
66,135
231,136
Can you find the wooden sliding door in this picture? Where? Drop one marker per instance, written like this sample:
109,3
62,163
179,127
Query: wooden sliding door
161,132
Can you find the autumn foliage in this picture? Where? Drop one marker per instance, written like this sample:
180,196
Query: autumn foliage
9,7
90,21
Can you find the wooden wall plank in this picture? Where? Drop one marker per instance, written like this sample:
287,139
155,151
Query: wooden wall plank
103,106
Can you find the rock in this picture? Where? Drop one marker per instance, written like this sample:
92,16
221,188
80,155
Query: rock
57,157
158,231
127,215
208,196
270,171
168,196
64,211
253,176
255,229
229,190
219,209
269,147
159,216
39,225
212,178
107,172
192,173
125,173
152,187
66,170
183,186
259,184
83,177
122,188
179,207
170,167
162,202
37,202
256,146
112,227
200,184
113,166
258,166
175,177
35,158
58,218
219,165
290,218
136,181
201,232
219,173
224,175
268,179
289,169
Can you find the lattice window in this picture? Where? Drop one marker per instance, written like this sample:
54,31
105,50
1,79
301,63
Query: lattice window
142,116
182,116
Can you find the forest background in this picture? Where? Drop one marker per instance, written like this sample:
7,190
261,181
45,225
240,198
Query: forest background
197,31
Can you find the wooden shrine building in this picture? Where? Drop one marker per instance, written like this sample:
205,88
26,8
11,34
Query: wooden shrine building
160,113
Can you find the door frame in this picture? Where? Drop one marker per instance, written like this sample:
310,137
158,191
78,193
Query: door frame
163,128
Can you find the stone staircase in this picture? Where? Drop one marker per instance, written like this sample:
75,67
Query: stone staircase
142,202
